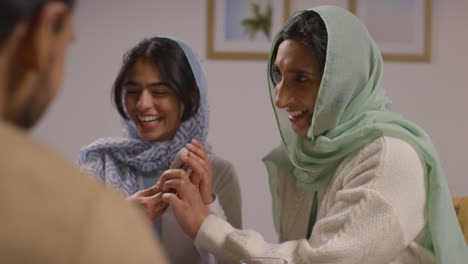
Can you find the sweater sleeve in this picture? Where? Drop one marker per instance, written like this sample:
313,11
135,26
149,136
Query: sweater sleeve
366,219
216,209
227,204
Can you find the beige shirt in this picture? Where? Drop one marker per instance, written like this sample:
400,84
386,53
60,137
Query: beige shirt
50,213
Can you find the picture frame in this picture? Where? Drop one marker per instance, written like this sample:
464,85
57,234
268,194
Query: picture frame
243,29
407,38
297,5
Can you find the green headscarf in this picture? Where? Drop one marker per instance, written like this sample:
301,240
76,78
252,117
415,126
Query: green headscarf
351,111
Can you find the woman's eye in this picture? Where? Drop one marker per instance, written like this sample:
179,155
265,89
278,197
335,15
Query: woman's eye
276,74
301,78
160,93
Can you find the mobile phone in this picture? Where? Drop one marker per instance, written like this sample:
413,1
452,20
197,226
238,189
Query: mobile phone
177,162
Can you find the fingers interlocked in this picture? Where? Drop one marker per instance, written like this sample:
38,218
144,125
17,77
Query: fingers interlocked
175,181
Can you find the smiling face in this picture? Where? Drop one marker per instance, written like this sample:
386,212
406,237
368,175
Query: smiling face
151,104
297,75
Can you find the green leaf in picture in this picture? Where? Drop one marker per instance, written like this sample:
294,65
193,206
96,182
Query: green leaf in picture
259,22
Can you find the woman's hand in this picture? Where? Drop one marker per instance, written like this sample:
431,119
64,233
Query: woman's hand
151,201
202,172
186,203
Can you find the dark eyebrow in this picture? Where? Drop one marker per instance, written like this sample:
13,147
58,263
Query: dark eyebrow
157,84
127,83
293,70
299,71
132,83
312,75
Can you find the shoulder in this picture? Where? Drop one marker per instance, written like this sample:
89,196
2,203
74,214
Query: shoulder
40,175
134,234
402,170
399,153
384,153
389,153
399,177
385,163
34,161
388,165
223,171
221,165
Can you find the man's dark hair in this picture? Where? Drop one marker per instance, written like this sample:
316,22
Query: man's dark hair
309,28
15,11
171,61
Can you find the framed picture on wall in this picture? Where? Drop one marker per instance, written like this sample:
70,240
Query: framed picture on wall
401,28
243,29
296,5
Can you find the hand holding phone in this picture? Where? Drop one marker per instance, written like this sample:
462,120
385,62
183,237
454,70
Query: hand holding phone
177,162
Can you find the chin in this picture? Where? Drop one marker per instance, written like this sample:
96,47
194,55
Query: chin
148,138
300,133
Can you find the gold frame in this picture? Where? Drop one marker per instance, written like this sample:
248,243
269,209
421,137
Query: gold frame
213,54
426,56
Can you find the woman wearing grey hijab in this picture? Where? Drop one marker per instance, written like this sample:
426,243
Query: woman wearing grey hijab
161,96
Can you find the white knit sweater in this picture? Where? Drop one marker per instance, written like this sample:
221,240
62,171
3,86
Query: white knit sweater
373,211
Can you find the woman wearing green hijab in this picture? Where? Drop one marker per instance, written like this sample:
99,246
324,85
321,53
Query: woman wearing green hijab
353,181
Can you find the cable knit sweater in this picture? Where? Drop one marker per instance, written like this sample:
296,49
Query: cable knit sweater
373,211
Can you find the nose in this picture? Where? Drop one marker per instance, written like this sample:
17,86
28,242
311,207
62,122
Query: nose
283,95
145,100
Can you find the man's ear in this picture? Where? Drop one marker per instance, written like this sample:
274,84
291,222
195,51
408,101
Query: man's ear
13,41
39,42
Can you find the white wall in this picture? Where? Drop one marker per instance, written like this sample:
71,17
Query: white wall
242,125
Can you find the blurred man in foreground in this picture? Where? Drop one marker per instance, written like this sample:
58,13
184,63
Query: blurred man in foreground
50,213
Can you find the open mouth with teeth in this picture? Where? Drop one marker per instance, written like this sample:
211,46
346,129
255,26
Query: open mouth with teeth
300,121
148,119
297,115
149,122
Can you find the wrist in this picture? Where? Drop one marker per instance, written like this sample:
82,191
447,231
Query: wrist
198,225
209,199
